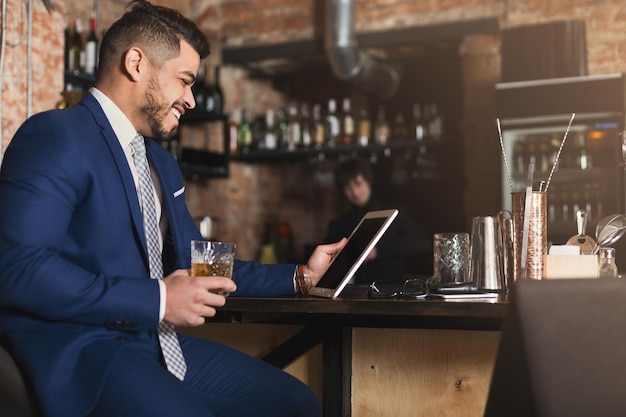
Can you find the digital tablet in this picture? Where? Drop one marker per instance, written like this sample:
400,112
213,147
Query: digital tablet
360,243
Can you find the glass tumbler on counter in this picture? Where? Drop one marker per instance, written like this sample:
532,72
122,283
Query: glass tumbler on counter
210,258
451,258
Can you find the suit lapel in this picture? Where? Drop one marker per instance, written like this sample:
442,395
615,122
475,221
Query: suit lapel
122,167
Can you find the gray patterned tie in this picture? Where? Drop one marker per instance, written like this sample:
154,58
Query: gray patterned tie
172,352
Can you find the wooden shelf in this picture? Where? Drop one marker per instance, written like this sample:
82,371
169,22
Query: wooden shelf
299,154
287,57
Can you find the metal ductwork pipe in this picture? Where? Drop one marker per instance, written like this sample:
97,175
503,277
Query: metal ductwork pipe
347,61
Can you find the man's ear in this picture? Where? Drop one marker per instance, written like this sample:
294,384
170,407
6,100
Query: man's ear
135,63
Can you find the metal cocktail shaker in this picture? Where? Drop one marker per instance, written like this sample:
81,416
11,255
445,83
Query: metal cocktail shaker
487,268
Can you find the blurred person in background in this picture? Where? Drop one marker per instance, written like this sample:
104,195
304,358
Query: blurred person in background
403,240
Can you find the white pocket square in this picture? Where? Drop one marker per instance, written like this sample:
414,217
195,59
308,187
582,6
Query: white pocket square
179,192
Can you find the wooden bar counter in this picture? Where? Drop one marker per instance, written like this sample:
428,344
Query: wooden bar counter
372,357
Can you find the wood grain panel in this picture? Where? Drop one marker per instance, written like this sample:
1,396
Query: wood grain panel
421,373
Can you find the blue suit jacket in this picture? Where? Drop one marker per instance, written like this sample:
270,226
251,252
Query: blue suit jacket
73,263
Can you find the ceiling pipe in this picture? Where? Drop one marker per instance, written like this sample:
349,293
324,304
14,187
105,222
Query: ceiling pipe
347,61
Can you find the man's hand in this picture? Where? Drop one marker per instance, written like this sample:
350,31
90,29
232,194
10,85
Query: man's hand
190,299
320,259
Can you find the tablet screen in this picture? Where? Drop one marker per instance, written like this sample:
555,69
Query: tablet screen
345,259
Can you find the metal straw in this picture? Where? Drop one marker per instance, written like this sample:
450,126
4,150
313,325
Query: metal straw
506,164
526,227
558,154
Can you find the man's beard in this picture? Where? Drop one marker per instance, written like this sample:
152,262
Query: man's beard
154,111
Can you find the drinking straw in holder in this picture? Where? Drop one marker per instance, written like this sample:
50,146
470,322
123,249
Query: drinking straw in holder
556,160
506,165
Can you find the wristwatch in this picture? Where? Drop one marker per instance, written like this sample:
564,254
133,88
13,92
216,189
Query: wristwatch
302,283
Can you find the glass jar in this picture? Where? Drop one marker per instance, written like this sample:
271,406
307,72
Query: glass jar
607,267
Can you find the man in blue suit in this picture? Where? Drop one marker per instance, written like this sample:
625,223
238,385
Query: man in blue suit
78,310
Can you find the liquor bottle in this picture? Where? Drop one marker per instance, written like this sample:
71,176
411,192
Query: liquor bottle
318,126
271,139
233,130
347,123
209,104
293,127
364,128
199,89
245,133
67,39
283,124
332,124
306,125
399,132
436,122
418,123
91,48
381,127
76,49
218,94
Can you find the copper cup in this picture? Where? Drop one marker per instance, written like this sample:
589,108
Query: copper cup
535,267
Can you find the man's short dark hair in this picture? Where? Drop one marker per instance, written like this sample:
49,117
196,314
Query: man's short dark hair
349,170
156,30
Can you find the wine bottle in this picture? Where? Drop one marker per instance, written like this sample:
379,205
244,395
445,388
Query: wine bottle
199,89
245,133
399,132
381,127
418,123
347,123
91,48
218,94
332,124
67,35
209,91
233,130
76,49
293,127
318,126
271,138
364,128
306,127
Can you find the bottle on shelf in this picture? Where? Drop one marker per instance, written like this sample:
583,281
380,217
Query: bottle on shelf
306,125
91,47
293,127
67,36
76,56
436,122
381,127
399,132
210,104
332,124
199,89
233,130
245,133
270,140
318,127
283,127
364,128
218,94
347,123
418,123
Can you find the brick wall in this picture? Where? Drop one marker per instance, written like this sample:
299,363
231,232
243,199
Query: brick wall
302,193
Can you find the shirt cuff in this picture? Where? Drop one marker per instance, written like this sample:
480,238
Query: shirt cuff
163,294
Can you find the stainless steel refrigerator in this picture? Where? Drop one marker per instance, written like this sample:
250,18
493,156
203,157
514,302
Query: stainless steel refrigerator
589,174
